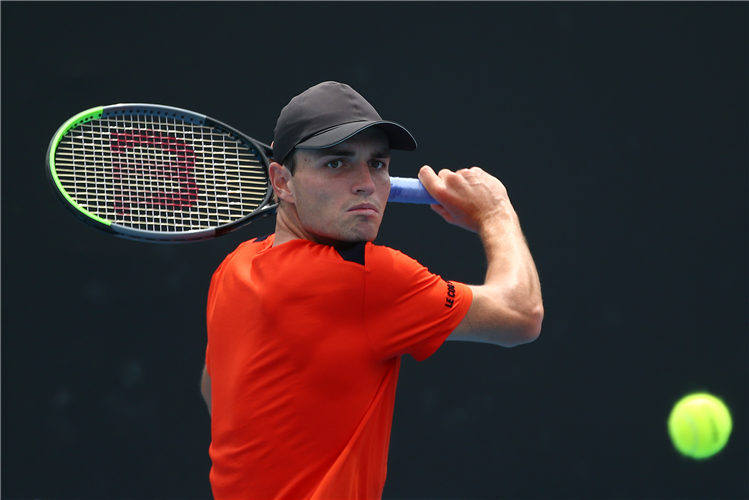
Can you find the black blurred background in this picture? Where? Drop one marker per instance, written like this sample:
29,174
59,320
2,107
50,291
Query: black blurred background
619,129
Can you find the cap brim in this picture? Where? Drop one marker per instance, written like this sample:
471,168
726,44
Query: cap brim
399,137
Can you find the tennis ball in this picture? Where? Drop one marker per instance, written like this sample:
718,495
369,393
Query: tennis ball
699,425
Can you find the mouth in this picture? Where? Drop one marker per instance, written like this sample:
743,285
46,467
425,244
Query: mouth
364,209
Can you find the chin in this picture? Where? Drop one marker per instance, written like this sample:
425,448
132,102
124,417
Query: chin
357,236
368,234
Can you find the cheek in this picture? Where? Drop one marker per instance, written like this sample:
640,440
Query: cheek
383,187
316,207
307,193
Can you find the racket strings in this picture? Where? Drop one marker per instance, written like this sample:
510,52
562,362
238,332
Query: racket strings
159,174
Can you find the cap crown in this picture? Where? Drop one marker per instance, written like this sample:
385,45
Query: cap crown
326,114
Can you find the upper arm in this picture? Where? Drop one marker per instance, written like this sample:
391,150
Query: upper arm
494,319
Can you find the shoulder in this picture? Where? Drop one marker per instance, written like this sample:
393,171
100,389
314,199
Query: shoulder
247,249
386,257
254,245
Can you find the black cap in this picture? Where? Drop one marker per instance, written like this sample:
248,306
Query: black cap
328,114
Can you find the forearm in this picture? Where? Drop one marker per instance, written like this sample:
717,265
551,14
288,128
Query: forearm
511,273
507,309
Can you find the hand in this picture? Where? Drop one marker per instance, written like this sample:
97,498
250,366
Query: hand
468,198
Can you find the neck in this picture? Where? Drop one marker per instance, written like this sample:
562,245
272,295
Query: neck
286,230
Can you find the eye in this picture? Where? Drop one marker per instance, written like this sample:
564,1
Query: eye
377,164
334,164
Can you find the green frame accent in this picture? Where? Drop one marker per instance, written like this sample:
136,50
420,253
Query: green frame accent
82,117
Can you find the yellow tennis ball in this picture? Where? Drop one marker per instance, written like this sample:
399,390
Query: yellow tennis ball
700,425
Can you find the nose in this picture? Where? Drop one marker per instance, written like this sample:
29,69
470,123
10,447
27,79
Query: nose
363,182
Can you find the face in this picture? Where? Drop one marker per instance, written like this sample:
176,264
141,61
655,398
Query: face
338,195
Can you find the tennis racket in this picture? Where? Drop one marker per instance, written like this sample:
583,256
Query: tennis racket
167,175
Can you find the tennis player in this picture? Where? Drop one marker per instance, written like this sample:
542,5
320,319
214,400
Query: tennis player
306,327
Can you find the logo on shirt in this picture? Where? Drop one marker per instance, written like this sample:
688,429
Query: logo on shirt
450,299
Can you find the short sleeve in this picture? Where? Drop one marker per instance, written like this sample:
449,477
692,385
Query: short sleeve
408,309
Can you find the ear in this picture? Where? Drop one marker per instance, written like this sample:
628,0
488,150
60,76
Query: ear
280,177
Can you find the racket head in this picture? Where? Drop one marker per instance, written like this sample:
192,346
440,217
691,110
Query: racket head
159,174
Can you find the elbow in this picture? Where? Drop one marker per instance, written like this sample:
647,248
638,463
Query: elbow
534,321
527,328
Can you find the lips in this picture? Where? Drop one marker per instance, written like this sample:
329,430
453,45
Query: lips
364,208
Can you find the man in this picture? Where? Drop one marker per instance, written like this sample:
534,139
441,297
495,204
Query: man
306,327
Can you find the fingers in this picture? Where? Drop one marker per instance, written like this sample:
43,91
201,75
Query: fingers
442,211
437,184
427,175
429,179
466,197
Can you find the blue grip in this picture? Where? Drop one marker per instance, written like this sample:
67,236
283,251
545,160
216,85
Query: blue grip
403,190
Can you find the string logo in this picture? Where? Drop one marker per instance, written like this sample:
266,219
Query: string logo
152,169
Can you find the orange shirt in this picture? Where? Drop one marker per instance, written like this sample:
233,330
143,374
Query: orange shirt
304,347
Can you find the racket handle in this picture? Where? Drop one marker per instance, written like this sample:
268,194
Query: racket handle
403,190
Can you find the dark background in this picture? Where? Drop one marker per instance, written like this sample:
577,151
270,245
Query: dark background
619,129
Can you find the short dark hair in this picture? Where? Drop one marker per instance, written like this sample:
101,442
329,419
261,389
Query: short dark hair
290,160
